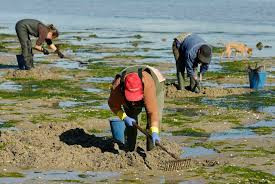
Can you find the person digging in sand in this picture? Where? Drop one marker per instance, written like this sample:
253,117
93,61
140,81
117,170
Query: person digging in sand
132,89
190,50
26,27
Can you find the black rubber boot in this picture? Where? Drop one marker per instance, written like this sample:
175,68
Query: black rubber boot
149,143
131,137
21,62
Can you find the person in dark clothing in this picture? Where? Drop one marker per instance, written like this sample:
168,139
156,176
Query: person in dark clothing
45,33
190,50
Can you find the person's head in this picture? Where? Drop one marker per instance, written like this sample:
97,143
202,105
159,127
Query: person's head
53,32
205,54
133,89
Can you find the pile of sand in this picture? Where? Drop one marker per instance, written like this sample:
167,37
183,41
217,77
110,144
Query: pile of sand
172,92
66,146
37,73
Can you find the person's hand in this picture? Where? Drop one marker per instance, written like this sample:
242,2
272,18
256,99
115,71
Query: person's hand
45,51
155,138
59,53
129,121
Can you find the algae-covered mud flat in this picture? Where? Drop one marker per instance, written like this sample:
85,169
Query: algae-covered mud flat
54,119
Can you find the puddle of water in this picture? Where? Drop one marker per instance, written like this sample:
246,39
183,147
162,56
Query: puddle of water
11,86
245,132
269,110
250,101
224,85
103,106
92,90
3,127
2,74
88,176
196,152
100,79
69,65
263,123
192,182
232,134
67,104
70,104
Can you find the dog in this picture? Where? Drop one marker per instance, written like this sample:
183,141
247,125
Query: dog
238,48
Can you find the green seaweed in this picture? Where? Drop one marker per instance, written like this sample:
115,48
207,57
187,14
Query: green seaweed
65,46
103,70
248,175
248,101
78,38
119,56
11,175
88,113
194,132
93,36
69,181
9,124
104,180
4,36
2,145
217,50
262,130
252,152
49,89
83,176
208,145
138,36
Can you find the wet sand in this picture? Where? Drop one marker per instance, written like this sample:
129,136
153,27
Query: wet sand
44,136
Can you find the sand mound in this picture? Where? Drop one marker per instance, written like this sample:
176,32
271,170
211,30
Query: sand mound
65,146
172,92
37,73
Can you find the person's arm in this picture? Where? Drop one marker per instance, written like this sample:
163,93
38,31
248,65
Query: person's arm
203,68
200,76
43,31
116,100
38,48
150,100
151,106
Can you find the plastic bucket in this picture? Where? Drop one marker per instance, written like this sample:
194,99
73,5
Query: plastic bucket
118,129
257,79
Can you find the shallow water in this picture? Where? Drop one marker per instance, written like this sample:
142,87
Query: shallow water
256,100
243,132
93,90
196,152
67,104
10,86
70,104
100,79
219,21
55,175
69,65
223,85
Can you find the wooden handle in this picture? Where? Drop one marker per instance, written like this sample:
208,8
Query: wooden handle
157,143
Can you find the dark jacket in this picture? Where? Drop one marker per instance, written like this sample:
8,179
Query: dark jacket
189,49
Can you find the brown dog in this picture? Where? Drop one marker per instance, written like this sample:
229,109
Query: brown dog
238,47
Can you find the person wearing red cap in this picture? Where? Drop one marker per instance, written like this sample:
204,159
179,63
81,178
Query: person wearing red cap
132,89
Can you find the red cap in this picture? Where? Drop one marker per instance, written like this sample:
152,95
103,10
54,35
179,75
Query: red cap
133,87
